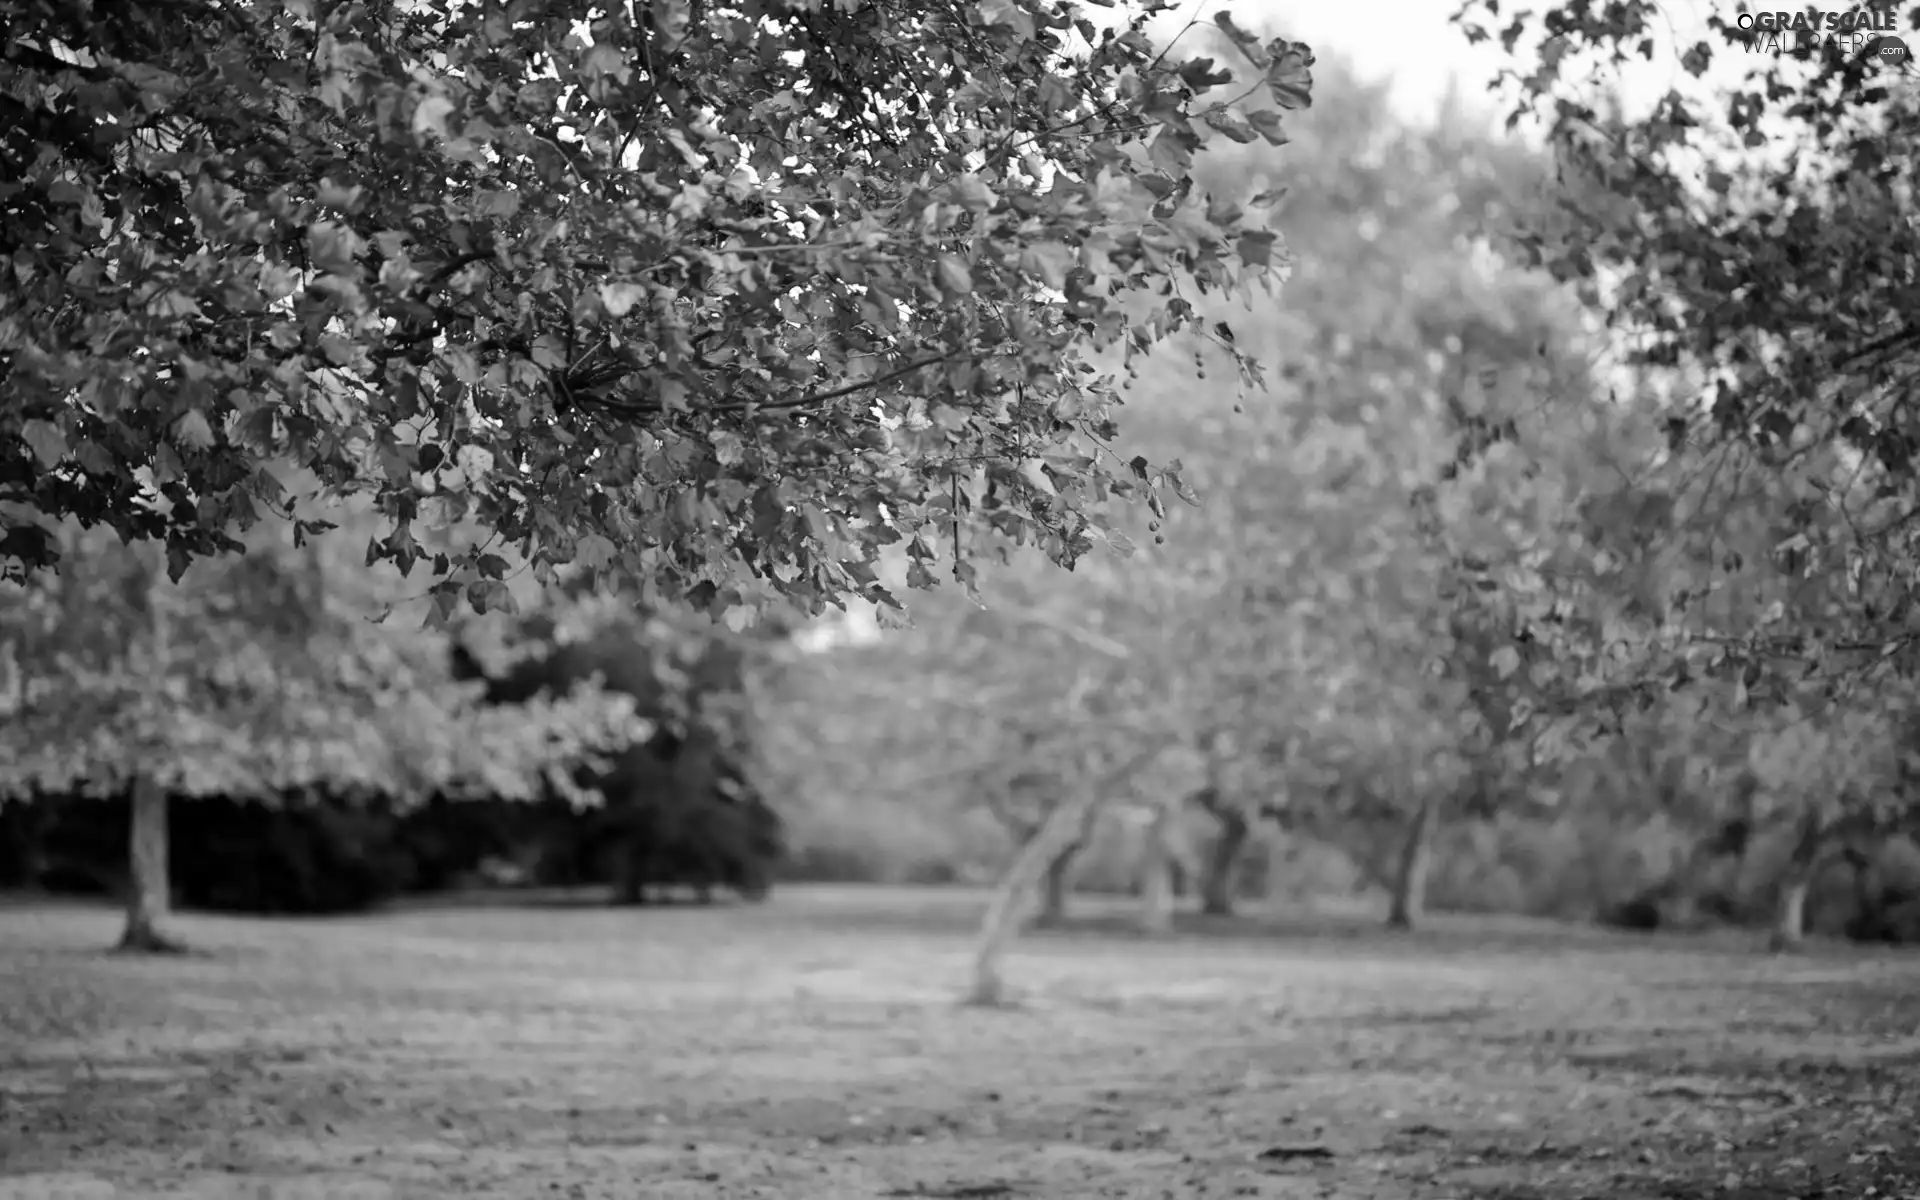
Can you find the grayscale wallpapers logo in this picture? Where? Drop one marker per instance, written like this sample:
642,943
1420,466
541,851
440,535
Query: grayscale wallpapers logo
1867,34
1890,50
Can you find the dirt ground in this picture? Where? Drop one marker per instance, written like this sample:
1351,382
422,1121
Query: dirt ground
811,1049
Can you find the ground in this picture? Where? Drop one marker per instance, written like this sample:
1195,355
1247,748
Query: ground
811,1049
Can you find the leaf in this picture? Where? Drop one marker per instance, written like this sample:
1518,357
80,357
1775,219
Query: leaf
442,607
1256,247
489,595
971,192
431,115
1555,743
1247,43
332,247
1233,125
619,298
1172,151
1056,94
955,278
1048,260
1268,124
440,511
192,430
1202,76
729,449
475,462
500,202
1007,12
1522,581
48,444
1504,661
174,305
1290,75
167,466
593,551
336,195
672,19
603,59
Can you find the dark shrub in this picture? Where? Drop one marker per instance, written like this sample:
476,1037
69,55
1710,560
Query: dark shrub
321,856
679,811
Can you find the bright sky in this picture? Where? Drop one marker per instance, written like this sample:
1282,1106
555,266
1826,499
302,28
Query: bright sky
1413,44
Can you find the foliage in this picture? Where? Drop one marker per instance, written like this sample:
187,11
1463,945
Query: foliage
259,676
718,301
1751,245
1305,631
682,806
1441,557
1748,248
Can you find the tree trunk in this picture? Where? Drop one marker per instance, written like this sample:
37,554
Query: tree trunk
1057,885
1790,916
1217,886
1790,911
1061,830
1157,864
1416,860
1066,826
147,884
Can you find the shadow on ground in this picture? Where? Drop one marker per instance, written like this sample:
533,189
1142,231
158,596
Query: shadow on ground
810,1048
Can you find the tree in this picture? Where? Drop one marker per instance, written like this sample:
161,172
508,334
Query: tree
1826,774
258,676
1747,244
1767,288
1217,880
1288,630
1327,625
1023,802
1065,824
717,301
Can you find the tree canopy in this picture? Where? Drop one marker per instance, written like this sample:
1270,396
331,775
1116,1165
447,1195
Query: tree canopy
1752,247
261,676
714,300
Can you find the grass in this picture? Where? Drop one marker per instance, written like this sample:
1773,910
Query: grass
811,1048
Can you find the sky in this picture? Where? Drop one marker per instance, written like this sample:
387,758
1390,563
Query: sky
1415,47
1408,42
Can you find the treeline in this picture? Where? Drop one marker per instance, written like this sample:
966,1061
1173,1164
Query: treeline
676,813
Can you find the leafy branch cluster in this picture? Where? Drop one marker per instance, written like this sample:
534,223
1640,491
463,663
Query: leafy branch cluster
716,300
